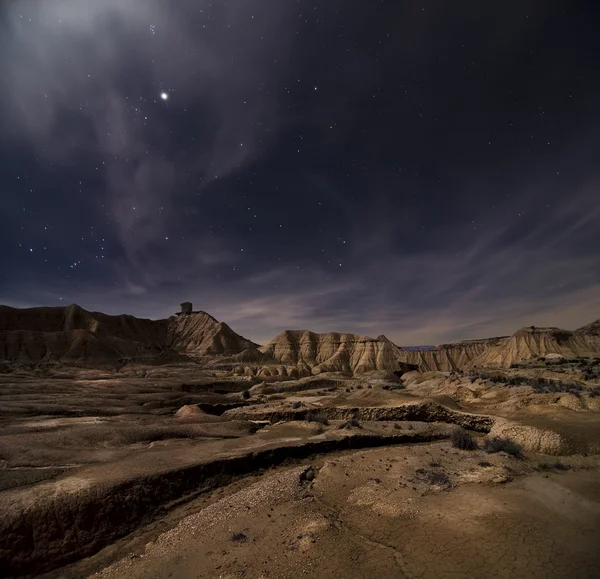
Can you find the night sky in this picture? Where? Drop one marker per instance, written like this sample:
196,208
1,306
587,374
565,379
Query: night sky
429,170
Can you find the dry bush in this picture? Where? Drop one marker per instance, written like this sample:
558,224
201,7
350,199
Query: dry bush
554,466
316,417
434,477
498,444
462,440
352,423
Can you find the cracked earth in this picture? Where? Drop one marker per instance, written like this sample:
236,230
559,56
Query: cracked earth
378,513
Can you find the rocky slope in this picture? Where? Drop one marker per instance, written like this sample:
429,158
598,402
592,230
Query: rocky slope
72,335
523,345
334,352
592,329
448,357
200,334
527,343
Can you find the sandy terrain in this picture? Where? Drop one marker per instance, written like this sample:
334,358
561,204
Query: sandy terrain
173,471
372,514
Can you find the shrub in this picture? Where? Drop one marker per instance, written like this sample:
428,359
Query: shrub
296,405
498,444
246,394
353,422
238,538
316,417
561,336
434,477
553,466
485,463
462,440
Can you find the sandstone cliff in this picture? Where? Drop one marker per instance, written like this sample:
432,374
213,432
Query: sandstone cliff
334,352
72,335
527,343
448,357
200,334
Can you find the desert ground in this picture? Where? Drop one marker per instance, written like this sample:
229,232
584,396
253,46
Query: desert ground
308,460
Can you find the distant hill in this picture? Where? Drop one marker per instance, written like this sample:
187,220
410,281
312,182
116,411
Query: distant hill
334,352
74,336
201,334
71,335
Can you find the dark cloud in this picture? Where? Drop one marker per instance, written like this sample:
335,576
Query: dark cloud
414,170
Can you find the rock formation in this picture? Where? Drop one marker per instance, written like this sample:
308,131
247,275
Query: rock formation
72,335
523,345
448,357
527,343
334,352
201,335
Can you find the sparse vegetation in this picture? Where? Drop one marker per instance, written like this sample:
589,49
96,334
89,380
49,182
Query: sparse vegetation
562,336
554,466
352,423
394,387
498,444
434,477
312,416
539,385
462,440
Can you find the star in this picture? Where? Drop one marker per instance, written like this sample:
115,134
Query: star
164,96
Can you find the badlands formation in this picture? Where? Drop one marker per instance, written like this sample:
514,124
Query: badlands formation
178,448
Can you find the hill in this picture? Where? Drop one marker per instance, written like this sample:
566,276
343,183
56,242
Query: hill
200,334
335,352
74,336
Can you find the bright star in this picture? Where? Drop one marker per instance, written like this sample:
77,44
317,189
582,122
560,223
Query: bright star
164,96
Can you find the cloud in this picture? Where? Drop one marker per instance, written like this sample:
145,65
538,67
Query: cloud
84,81
442,243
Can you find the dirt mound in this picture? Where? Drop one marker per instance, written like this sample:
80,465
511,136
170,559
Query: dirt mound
200,334
334,352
